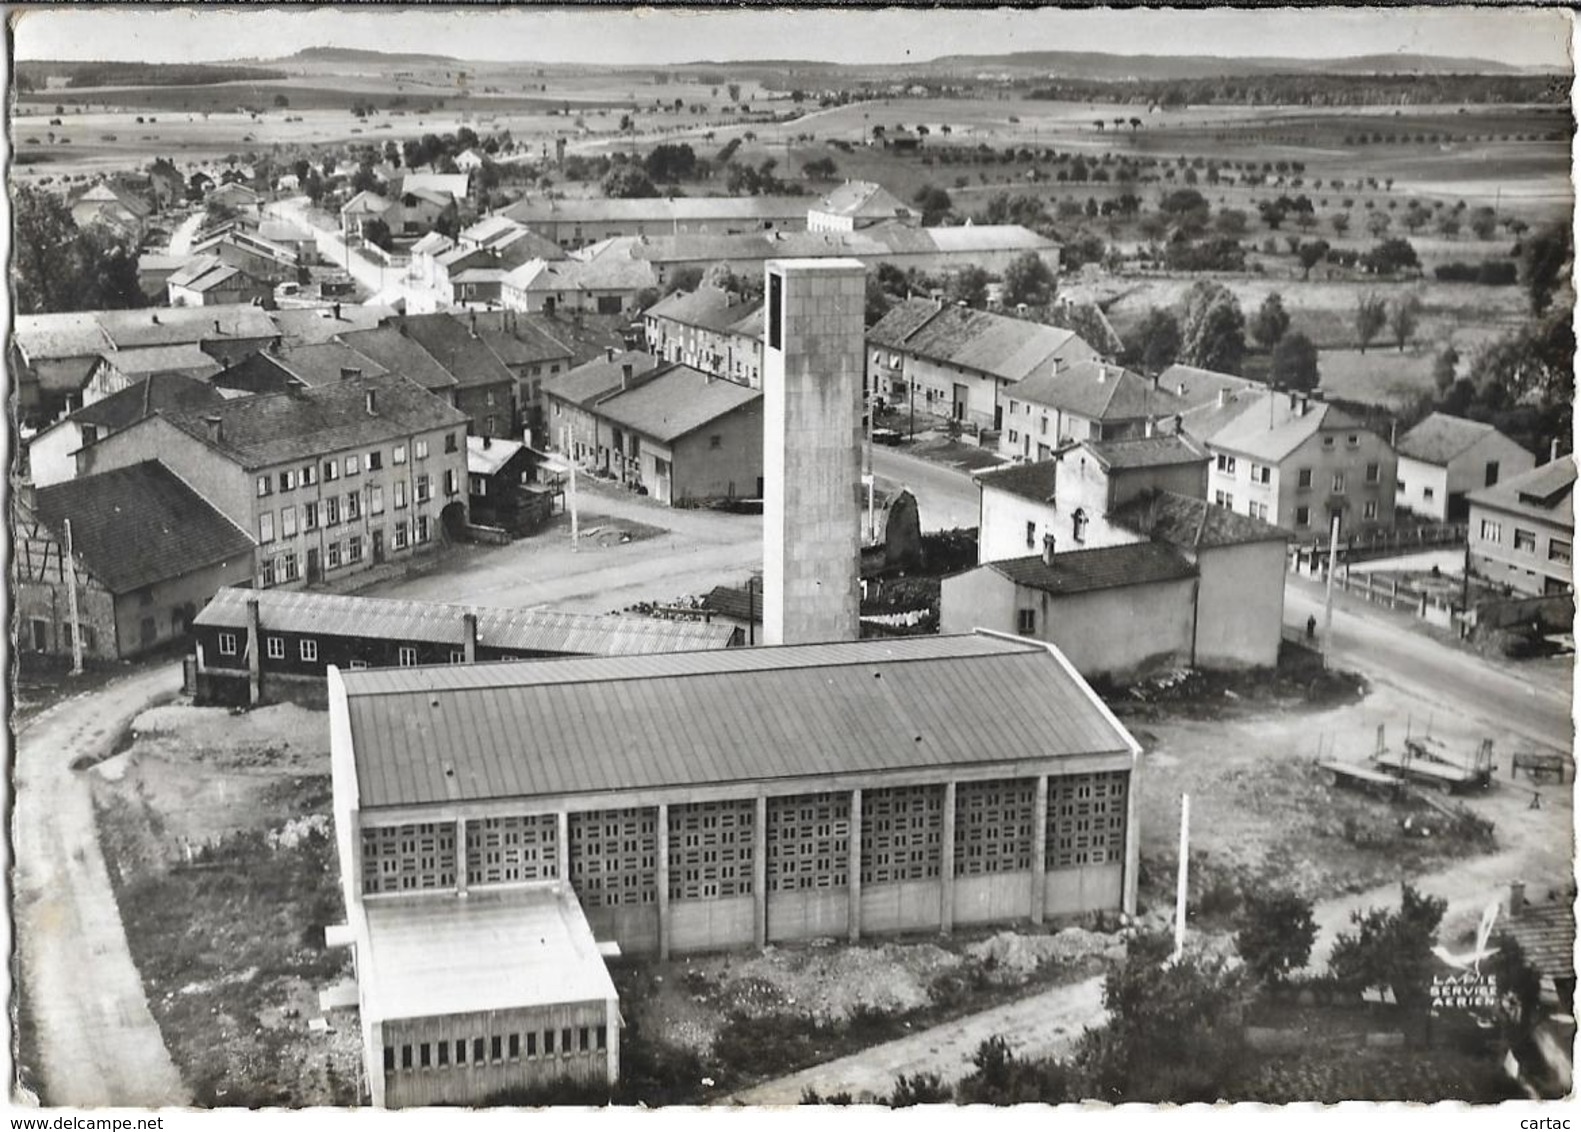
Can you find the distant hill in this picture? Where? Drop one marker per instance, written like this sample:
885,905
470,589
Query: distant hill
356,55
1102,65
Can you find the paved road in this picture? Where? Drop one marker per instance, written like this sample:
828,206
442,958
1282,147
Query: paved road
946,497
98,1043
1533,702
1044,1025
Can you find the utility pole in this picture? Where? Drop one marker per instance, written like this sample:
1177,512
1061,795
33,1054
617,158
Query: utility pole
69,568
571,495
1328,598
1180,878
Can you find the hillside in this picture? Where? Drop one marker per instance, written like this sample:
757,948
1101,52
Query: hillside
1101,65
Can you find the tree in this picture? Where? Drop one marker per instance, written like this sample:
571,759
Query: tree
969,285
667,163
1484,223
1371,315
1028,279
57,267
1311,253
1277,936
734,90
376,232
1213,332
1444,367
1391,949
1378,224
1340,222
1294,364
1543,258
1155,343
1271,321
819,169
684,279
877,302
1403,319
281,100
1231,222
1389,257
934,204
627,181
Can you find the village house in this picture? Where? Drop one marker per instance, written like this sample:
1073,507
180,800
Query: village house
485,387
52,454
525,347
206,281
146,553
248,644
1522,531
114,208
475,825
1444,458
709,329
1085,399
1060,543
683,436
331,481
55,355
306,326
604,283
474,275
859,204
260,258
960,364
1299,464
578,223
570,426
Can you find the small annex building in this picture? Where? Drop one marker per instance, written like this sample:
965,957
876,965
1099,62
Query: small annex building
281,642
692,802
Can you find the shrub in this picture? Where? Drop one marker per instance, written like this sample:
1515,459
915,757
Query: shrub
919,1088
1276,938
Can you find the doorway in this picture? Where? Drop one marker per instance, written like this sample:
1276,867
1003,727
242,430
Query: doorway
378,547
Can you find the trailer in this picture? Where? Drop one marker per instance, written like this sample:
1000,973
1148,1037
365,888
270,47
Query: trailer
1426,761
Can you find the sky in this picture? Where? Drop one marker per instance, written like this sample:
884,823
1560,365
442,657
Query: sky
1522,36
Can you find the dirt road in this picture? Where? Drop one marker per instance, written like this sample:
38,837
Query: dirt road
1045,1025
97,1041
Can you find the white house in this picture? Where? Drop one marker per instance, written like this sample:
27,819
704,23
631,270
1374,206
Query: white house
1443,458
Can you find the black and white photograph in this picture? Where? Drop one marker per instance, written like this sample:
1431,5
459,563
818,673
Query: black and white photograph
596,558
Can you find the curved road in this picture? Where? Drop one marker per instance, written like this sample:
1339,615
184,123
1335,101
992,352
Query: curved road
98,1043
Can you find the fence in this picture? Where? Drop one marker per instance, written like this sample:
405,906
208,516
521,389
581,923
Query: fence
1379,544
1556,610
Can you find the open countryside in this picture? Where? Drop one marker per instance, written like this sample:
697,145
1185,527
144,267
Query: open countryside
759,554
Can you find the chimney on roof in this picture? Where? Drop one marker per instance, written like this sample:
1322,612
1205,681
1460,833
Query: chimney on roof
1148,427
469,636
487,440
349,372
294,386
217,326
1517,898
371,401
1048,550
1292,400
335,310
1103,373
609,353
1553,450
1301,405
1180,389
216,427
1180,422
625,376
1224,396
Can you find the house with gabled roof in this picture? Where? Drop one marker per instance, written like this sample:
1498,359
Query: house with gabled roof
570,426
51,455
485,387
147,553
1521,531
1300,464
710,329
331,480
961,364
206,281
859,204
1086,399
1444,458
1096,496
683,436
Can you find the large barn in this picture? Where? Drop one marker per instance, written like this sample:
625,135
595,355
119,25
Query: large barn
695,802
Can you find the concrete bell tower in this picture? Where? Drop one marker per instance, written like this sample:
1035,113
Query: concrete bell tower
813,348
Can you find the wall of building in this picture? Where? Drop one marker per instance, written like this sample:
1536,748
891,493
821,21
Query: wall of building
1003,520
1084,483
480,1077
733,470
1240,605
43,607
1326,460
491,407
1493,457
573,431
223,485
1542,564
1422,489
162,612
49,454
932,384
1119,633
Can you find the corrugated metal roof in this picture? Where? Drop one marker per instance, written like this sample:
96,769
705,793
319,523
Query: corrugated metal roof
528,630
491,951
1108,567
531,728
